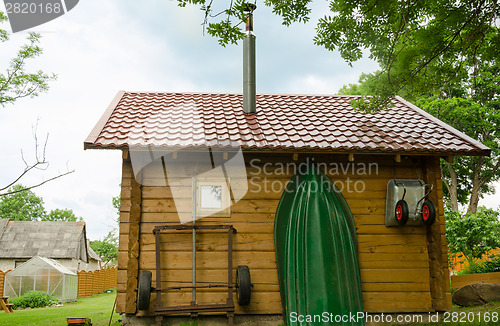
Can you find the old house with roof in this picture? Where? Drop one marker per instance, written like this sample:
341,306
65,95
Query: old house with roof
163,136
65,242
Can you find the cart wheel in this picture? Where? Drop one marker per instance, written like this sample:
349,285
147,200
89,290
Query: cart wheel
144,290
402,212
243,292
428,212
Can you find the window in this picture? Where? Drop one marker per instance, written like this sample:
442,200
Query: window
20,262
212,198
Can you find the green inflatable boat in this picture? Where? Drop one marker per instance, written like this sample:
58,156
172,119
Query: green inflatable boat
316,253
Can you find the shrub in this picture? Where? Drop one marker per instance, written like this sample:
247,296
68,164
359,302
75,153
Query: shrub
487,266
492,265
33,299
472,235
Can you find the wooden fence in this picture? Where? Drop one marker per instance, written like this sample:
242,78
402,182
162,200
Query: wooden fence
95,282
2,277
458,281
89,283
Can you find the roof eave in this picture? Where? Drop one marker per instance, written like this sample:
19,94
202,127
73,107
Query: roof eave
94,134
484,151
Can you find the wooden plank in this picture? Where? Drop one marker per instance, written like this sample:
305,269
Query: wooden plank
168,205
395,287
410,275
273,189
438,269
123,259
377,248
120,302
265,224
396,257
263,280
147,228
391,239
365,223
394,302
235,217
364,218
124,216
208,260
396,264
262,302
375,229
335,167
359,205
373,264
266,280
458,281
133,251
210,242
125,205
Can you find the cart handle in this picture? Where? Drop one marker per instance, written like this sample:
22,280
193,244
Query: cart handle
404,187
425,196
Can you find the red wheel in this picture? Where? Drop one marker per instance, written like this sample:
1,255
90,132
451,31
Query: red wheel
401,212
428,212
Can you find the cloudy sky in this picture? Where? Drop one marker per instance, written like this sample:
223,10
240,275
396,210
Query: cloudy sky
101,47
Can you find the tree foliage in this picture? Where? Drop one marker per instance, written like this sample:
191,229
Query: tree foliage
117,202
62,215
406,38
107,248
471,176
471,105
23,205
15,81
472,235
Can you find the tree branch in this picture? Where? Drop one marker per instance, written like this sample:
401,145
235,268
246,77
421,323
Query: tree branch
37,185
41,163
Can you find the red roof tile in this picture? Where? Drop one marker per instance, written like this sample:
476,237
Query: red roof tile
282,122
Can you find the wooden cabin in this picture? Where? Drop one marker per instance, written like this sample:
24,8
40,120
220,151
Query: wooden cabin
403,269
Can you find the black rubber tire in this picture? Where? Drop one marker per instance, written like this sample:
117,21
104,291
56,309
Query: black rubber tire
243,281
428,213
401,212
144,290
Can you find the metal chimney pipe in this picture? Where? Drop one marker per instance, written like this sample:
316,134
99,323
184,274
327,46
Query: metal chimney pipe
249,84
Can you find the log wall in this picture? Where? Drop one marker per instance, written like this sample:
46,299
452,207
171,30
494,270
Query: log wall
402,268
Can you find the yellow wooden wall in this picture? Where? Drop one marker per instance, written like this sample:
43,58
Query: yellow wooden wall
403,269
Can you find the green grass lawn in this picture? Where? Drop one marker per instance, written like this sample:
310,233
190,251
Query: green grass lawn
98,308
461,316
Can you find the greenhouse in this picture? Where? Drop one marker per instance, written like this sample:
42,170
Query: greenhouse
42,274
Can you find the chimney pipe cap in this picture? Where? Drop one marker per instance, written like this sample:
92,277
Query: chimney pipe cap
249,7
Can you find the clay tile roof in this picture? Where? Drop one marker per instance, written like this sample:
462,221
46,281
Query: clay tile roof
282,122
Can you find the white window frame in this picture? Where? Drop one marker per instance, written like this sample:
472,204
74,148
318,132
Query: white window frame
225,211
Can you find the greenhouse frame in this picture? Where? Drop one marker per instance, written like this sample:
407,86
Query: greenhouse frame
42,274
